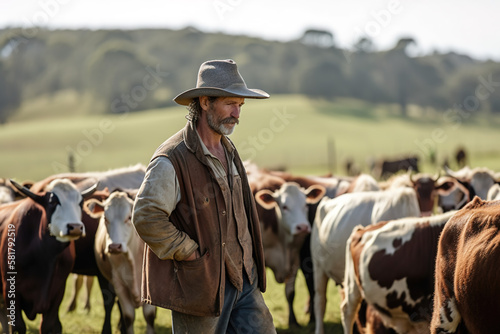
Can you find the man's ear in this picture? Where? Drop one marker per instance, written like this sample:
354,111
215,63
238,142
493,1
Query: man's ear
204,102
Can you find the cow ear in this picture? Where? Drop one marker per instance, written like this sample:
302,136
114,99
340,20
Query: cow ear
93,208
445,188
314,194
266,199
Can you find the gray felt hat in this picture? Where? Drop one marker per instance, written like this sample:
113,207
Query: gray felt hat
219,78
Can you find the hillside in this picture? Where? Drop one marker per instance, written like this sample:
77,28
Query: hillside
118,71
292,131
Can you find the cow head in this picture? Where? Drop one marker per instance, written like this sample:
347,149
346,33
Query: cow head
426,192
290,202
115,213
453,194
62,203
479,179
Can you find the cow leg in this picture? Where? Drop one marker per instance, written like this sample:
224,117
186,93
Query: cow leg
20,325
351,294
149,312
307,269
50,323
3,316
89,280
320,285
77,284
128,312
108,297
8,321
349,307
290,295
127,306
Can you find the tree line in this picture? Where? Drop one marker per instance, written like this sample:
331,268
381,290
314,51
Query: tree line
132,70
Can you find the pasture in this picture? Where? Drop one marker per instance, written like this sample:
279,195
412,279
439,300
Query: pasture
305,136
79,321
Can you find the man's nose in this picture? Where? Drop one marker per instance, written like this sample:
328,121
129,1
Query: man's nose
236,112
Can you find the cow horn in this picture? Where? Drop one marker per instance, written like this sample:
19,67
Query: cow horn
411,172
437,177
25,191
89,191
450,172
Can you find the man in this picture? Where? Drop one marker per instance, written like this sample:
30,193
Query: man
204,258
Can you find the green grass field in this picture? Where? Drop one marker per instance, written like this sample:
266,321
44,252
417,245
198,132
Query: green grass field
305,136
83,322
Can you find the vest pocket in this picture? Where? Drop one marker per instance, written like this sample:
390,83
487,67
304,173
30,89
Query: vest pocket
197,283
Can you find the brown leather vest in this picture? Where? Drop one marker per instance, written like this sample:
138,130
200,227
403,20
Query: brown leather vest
197,287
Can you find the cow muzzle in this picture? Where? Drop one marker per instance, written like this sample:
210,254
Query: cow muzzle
115,248
75,230
302,229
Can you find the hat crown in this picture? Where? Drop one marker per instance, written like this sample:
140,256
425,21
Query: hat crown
219,74
219,78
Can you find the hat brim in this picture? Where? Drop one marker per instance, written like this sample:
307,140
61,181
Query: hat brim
186,97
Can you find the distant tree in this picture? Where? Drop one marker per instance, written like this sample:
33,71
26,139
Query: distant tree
10,97
323,79
404,42
316,37
364,45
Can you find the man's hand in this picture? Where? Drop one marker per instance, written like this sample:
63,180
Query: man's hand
194,255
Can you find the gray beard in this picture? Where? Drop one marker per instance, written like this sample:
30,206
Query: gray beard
218,126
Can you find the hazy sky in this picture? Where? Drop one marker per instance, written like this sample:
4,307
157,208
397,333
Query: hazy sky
469,27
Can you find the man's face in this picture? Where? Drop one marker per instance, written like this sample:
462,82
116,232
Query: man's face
223,114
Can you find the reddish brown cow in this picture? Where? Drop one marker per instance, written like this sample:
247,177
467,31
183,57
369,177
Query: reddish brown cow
36,253
467,289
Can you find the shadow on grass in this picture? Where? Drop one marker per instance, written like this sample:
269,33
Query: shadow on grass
330,328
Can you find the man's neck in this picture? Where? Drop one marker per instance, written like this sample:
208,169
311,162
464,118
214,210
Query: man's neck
211,139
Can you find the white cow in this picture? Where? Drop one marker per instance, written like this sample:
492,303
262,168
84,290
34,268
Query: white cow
336,219
119,252
120,178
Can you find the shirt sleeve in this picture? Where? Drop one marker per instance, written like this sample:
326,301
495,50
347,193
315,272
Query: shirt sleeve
155,201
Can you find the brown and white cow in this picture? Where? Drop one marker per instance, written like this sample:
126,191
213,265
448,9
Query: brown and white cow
391,266
425,185
118,253
467,289
283,213
37,252
334,186
335,220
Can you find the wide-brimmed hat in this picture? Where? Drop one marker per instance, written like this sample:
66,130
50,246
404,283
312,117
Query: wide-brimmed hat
219,78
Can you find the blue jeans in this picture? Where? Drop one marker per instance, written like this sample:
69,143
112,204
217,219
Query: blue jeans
243,312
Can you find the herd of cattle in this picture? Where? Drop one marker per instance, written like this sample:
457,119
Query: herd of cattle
416,253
